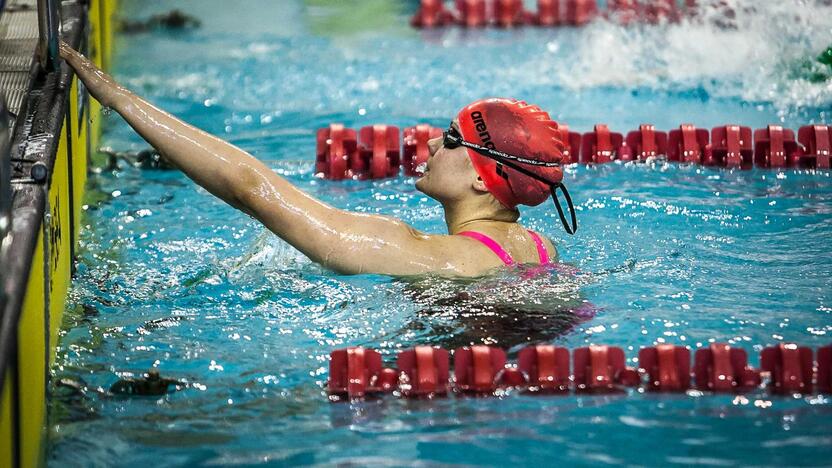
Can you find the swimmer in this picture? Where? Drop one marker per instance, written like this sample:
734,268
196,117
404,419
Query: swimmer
147,158
497,154
172,20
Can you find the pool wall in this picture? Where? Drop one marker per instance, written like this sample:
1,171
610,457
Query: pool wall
58,125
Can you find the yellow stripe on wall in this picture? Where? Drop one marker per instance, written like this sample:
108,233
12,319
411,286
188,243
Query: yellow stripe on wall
101,45
80,150
107,9
6,434
31,364
60,236
39,325
94,52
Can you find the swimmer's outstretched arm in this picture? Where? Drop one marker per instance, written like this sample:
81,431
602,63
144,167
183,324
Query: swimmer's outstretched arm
344,241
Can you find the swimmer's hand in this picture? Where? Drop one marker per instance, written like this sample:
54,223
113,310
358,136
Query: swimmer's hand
99,84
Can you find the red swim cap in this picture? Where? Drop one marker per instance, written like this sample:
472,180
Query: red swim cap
516,128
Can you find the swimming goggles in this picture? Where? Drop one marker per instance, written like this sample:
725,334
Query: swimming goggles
452,139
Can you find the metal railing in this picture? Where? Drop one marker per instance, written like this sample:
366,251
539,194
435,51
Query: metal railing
5,192
49,26
5,226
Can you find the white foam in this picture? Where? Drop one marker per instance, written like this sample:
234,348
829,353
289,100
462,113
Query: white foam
755,57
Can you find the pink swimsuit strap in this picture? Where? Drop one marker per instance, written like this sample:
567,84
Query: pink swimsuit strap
501,252
541,249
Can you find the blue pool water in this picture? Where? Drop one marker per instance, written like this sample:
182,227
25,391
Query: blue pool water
169,277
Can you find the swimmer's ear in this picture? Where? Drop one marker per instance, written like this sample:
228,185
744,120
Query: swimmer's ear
479,185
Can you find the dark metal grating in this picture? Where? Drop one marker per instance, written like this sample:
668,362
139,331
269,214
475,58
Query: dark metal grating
18,40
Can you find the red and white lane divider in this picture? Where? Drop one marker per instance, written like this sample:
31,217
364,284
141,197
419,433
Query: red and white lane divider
377,151
374,152
425,371
549,13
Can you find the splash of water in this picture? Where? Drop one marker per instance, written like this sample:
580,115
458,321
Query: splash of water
761,52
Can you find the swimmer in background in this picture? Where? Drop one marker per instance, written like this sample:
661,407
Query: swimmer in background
498,154
174,20
147,158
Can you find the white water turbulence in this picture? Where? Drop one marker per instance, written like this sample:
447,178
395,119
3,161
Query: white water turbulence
758,51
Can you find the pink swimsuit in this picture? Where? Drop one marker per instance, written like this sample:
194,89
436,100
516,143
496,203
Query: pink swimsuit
504,256
585,311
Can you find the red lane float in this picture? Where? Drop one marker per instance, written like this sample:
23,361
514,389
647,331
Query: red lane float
509,13
545,367
817,143
378,152
721,368
824,376
415,150
378,149
580,12
687,144
731,146
646,143
602,369
478,368
423,371
775,147
357,372
548,13
790,368
667,368
432,14
336,146
600,145
471,13
571,144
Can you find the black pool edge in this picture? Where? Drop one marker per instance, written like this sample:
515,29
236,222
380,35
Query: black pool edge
36,138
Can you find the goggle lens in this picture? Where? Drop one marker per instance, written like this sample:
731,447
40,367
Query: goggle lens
451,138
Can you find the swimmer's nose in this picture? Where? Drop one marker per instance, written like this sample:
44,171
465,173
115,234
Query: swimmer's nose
434,144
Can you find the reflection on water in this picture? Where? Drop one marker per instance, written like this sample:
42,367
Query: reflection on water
530,305
170,278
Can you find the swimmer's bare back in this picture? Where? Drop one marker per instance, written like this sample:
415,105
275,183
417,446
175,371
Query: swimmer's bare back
347,242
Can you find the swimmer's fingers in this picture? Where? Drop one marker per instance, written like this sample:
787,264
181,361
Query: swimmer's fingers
99,84
68,53
65,50
75,60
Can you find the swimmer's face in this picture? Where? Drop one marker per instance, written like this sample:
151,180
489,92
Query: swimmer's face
449,174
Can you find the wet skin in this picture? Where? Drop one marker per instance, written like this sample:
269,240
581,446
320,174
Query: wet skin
347,242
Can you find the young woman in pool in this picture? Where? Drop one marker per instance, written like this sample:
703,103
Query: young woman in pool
498,154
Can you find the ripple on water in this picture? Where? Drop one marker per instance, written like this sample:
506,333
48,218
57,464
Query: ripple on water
171,278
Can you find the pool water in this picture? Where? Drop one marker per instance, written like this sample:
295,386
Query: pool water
170,278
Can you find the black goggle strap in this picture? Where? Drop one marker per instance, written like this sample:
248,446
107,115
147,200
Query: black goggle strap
553,187
574,227
499,156
509,160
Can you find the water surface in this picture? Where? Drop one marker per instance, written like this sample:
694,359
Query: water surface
170,278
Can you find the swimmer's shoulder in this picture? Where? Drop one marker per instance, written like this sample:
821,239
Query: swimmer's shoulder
550,248
458,256
554,256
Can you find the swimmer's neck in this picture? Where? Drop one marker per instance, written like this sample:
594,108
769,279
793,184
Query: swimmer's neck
476,214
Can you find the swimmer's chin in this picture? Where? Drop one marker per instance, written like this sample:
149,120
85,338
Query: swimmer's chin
420,184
